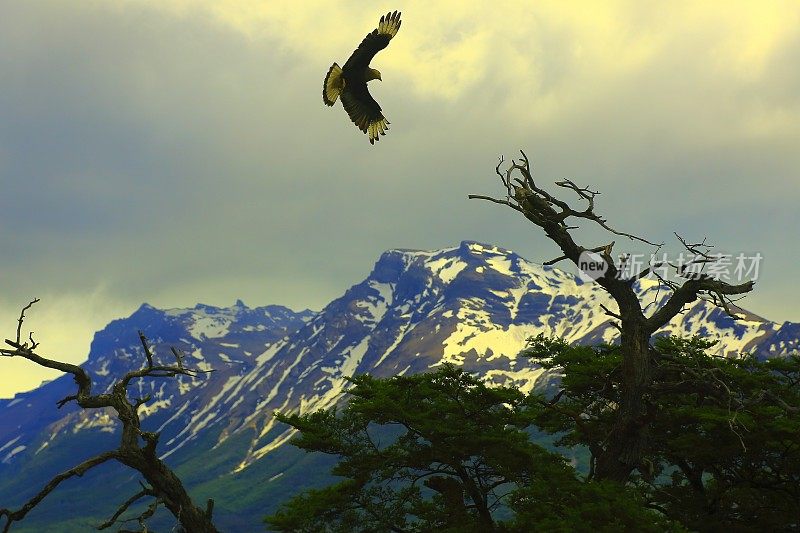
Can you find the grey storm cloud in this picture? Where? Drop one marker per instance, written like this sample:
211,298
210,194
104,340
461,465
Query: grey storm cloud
176,152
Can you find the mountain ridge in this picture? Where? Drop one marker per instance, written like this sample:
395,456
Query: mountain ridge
473,304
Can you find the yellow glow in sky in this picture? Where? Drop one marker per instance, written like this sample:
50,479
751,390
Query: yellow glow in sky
172,125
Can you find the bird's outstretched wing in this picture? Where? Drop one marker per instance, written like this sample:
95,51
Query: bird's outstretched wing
362,108
374,42
365,112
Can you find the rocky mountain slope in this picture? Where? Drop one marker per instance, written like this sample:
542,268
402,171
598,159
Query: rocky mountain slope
474,305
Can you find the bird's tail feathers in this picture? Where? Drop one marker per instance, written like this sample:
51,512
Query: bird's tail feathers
333,86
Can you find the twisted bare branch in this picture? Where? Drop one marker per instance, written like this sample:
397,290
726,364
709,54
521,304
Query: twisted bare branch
146,491
137,448
621,452
22,319
79,470
525,196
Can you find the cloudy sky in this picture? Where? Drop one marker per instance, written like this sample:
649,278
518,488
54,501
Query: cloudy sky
178,151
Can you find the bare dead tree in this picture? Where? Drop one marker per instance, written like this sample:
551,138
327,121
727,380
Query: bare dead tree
137,449
621,452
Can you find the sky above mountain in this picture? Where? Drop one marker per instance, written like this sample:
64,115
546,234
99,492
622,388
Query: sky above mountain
178,151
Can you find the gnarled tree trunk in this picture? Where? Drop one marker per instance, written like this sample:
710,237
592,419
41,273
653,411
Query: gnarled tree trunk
137,448
616,456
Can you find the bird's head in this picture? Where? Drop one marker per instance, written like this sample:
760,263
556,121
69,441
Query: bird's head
373,74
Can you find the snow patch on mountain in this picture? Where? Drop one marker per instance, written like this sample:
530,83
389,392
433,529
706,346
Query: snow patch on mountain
447,268
474,305
12,453
9,443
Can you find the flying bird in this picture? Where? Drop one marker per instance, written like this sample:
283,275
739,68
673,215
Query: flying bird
350,81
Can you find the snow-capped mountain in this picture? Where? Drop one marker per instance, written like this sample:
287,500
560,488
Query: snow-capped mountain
474,305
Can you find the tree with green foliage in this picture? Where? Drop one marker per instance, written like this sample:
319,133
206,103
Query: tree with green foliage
723,450
443,451
623,453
